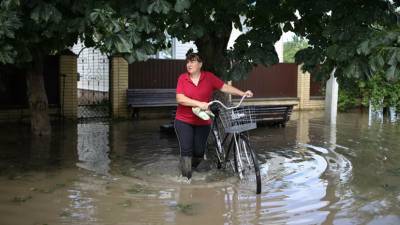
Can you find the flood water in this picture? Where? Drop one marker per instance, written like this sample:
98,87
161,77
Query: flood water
127,173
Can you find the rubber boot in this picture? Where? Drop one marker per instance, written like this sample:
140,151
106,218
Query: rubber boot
196,161
186,166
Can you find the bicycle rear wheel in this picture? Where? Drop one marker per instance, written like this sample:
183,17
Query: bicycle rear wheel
218,146
221,143
246,162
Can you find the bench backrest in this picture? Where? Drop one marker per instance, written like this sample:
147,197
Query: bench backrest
151,97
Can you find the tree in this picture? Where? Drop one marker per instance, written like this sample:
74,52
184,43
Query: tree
33,29
359,38
335,30
209,24
339,34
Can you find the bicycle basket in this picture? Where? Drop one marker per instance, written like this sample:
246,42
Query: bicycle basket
238,119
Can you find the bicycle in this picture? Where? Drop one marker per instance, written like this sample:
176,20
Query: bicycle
235,121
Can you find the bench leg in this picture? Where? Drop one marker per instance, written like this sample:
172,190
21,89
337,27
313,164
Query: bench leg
135,114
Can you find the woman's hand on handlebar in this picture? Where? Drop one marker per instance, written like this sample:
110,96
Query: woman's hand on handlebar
203,105
248,94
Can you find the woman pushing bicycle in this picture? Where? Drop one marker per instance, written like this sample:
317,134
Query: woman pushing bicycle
195,89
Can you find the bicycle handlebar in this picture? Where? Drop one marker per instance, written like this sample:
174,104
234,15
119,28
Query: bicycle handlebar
226,107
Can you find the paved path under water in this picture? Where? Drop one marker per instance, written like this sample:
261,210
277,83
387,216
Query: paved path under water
127,173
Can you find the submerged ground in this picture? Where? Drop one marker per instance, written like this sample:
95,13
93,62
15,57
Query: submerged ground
127,173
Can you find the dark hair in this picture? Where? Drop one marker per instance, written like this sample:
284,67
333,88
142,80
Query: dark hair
191,56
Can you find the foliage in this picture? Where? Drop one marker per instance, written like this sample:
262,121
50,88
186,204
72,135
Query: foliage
344,34
31,29
349,93
380,91
210,23
359,39
382,49
292,47
346,100
377,90
336,31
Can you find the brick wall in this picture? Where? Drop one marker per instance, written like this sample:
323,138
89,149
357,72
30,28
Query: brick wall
119,85
68,86
303,92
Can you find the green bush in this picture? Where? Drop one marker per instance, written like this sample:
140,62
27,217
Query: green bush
346,100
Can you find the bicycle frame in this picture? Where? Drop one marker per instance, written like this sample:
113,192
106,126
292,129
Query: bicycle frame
221,141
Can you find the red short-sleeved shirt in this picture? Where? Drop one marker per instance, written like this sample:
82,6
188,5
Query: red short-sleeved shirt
208,83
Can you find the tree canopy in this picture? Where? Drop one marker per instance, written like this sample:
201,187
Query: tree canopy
209,24
347,34
338,32
29,28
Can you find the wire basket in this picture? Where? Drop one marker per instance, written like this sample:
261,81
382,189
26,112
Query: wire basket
238,120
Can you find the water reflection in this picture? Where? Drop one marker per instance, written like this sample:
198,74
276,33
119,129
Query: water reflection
314,172
93,147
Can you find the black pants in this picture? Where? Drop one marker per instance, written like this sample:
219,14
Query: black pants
192,139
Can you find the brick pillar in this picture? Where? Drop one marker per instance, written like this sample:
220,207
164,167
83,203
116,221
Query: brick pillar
119,85
68,86
303,88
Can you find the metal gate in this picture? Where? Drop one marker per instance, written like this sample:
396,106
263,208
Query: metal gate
93,83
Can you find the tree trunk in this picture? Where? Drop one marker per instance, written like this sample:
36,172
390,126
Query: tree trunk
212,47
37,99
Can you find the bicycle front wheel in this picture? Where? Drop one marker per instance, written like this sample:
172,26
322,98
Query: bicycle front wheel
246,162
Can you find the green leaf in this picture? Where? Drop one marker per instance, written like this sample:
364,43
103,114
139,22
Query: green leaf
181,5
380,60
145,25
35,14
141,55
373,63
7,4
94,15
363,48
116,27
108,43
135,37
130,58
398,56
159,6
332,51
349,70
122,45
391,73
44,12
393,58
7,54
361,84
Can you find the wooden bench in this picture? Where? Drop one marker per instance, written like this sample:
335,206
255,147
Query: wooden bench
273,114
144,98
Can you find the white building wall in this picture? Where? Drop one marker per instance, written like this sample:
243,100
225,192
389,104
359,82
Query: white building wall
279,49
179,49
